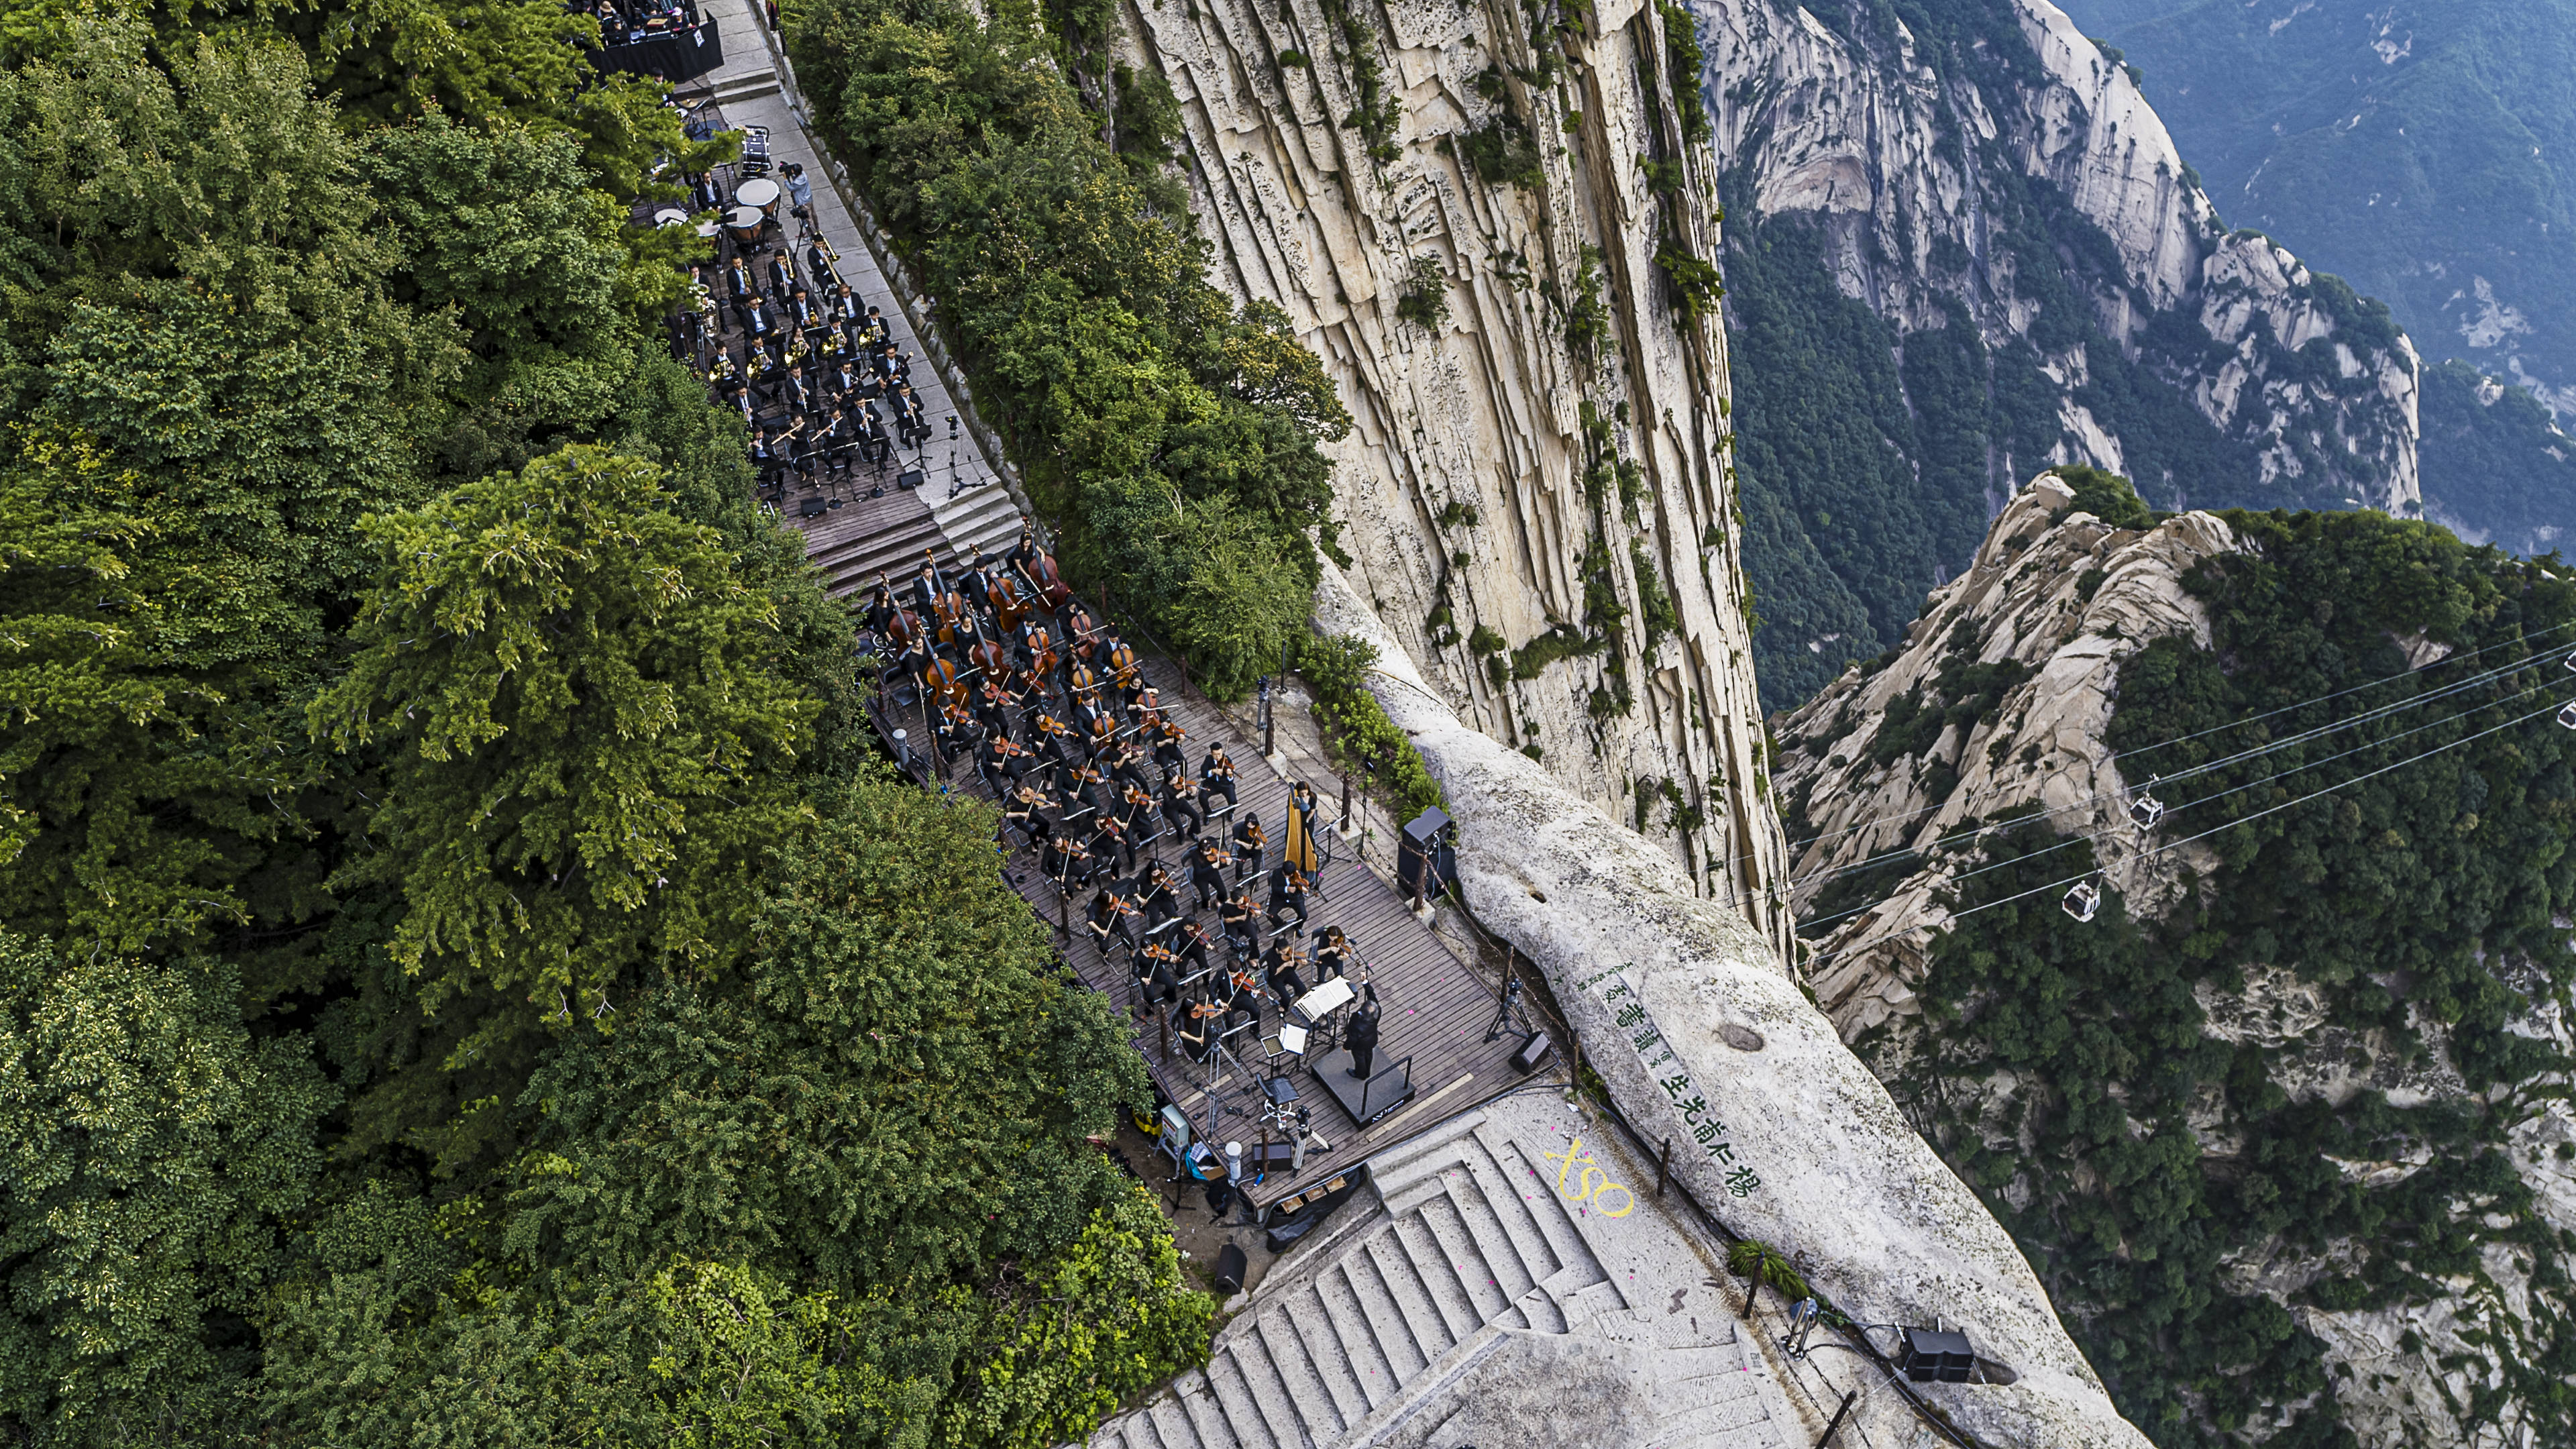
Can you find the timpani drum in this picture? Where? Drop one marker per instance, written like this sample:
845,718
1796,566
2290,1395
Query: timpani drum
759,192
670,216
744,222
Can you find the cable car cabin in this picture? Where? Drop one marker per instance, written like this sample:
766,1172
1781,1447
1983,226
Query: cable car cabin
2086,899
2146,809
2567,716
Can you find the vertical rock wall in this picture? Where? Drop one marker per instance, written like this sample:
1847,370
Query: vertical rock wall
1463,490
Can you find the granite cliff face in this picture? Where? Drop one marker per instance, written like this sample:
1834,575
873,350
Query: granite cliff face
2022,654
1705,1039
1476,215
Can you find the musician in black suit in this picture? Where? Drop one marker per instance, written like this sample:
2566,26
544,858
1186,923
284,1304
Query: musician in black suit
782,275
1359,1033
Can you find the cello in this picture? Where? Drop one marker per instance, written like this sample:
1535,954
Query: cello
1039,571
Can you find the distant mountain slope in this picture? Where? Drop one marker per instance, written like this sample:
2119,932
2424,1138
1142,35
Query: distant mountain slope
2497,468
2417,147
1962,247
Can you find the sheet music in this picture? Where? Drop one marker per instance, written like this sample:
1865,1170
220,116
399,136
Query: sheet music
1333,993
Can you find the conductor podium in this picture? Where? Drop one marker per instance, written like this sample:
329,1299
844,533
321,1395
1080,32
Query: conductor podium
1389,1085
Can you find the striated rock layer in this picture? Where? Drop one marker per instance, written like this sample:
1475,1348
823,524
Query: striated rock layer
1531,602
1705,1039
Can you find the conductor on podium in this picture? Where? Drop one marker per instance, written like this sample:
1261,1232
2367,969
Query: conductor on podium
1359,1034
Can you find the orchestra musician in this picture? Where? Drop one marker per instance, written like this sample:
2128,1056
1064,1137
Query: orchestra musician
1249,841
1333,955
1207,873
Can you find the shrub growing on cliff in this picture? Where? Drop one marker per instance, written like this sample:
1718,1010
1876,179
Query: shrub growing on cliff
2107,496
1424,301
1357,730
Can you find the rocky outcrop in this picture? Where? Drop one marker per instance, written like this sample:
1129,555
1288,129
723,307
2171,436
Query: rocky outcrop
2027,647
1704,1038
2037,629
1454,203
1919,154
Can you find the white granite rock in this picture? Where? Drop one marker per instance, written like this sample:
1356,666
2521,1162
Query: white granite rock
1793,1139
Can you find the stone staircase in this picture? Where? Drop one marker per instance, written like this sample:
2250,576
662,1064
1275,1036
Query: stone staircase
982,519
850,565
1470,1261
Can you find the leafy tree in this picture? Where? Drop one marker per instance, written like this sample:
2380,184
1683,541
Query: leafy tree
502,229
205,387
588,751
149,1149
899,1088
1174,437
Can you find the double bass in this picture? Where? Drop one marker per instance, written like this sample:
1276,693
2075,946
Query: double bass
956,617
1010,601
942,681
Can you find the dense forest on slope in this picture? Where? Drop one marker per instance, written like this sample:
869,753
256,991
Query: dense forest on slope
2497,467
464,980
2189,1187
1873,449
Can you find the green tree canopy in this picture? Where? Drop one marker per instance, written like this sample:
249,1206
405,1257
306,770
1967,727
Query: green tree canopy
150,1148
589,748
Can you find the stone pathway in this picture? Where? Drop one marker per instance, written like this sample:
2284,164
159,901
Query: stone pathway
751,89
1481,1302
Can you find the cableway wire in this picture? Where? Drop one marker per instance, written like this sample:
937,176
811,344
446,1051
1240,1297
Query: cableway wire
1901,851
2550,707
2365,717
2205,799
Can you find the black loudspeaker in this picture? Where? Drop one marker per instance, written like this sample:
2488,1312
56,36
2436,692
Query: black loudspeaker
1533,1053
1426,859
1230,1265
910,478
1934,1355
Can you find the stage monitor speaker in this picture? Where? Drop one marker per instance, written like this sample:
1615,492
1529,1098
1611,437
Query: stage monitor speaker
1533,1053
910,478
1230,1267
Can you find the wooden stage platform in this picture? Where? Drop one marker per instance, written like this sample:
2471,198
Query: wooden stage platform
1435,1008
